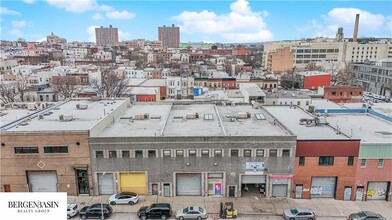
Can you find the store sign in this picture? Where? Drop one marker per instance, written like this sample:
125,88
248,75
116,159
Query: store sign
254,165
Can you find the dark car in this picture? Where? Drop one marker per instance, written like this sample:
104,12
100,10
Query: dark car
156,210
365,215
95,211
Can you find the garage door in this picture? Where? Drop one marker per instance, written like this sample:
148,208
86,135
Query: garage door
106,184
323,187
377,191
279,190
133,182
188,184
42,181
252,179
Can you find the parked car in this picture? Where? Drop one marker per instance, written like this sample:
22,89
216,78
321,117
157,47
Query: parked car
299,213
191,212
95,211
156,210
124,198
365,215
72,210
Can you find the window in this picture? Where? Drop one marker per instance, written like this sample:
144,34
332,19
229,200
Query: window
205,153
217,153
234,153
326,160
112,154
166,153
60,150
98,154
125,154
273,152
26,150
192,153
138,153
363,163
380,163
260,153
152,153
247,153
301,161
286,153
350,160
333,93
179,153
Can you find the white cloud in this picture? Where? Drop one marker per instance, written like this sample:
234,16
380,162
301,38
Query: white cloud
16,32
6,11
120,14
105,8
74,6
241,24
123,35
98,16
29,1
18,24
41,39
345,17
91,33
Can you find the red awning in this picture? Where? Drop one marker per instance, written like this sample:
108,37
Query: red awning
281,176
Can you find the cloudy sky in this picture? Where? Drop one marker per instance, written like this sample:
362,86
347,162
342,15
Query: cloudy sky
203,20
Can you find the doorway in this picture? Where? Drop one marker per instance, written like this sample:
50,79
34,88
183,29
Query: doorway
82,180
166,189
154,187
231,191
298,191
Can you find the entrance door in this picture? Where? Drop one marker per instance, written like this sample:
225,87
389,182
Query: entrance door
154,189
231,191
81,175
7,188
298,191
218,189
166,190
347,193
359,193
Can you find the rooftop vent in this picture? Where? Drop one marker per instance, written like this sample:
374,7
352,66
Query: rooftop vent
192,116
81,106
243,115
141,116
65,118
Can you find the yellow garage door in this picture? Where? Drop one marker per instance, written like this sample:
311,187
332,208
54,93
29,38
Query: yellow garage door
133,182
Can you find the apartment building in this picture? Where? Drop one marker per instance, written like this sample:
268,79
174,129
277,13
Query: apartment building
106,36
169,36
280,60
179,87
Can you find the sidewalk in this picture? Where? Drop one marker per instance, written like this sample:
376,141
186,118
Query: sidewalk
250,205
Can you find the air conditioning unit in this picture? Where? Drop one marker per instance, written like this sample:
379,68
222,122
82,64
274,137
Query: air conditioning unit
81,106
141,116
192,116
66,117
243,115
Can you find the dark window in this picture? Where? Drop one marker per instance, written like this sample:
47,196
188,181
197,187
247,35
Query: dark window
50,150
192,153
217,153
234,153
125,154
350,160
326,160
26,150
138,153
205,153
99,154
286,153
273,153
333,93
166,153
260,153
363,163
301,161
247,153
152,153
179,153
112,154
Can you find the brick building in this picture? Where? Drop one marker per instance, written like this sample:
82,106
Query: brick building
343,93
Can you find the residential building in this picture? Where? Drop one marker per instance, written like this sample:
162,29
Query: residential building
106,36
291,98
343,94
169,36
280,60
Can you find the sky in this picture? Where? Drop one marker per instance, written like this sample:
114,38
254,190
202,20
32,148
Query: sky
224,21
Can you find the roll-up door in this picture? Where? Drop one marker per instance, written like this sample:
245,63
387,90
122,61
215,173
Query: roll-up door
188,184
377,191
249,179
42,181
133,182
323,187
279,190
106,184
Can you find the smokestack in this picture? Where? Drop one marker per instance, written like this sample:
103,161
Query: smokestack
355,35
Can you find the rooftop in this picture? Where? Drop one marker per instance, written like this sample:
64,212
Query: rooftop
154,82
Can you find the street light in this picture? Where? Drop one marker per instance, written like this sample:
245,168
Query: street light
100,182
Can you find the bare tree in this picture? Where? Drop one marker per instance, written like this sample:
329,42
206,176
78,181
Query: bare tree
344,76
289,81
22,86
313,67
65,85
110,84
8,92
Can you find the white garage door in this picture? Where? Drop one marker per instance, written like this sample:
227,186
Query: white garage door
188,184
323,187
42,181
377,191
106,184
279,190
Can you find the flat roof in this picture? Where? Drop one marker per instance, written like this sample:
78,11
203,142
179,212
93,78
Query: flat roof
325,104
362,126
290,117
135,81
154,82
10,115
81,119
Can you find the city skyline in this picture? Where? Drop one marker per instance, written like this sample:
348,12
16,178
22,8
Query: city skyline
237,21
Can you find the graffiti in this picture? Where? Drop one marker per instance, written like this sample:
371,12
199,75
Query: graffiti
316,190
374,192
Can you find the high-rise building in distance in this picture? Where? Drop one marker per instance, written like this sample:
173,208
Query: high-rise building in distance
170,36
106,36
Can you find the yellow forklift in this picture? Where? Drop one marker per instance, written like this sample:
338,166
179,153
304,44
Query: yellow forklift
227,210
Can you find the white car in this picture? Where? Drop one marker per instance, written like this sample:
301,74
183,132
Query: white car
72,210
124,198
192,212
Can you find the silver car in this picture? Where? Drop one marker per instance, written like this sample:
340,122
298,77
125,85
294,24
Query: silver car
299,213
191,212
